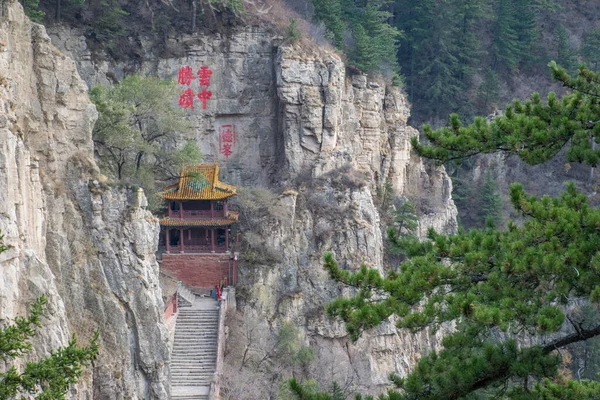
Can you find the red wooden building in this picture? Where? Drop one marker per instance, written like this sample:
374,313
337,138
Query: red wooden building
197,228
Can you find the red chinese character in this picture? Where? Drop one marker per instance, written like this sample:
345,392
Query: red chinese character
227,134
204,96
204,76
186,75
186,99
226,150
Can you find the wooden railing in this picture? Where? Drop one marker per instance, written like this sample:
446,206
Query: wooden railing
201,213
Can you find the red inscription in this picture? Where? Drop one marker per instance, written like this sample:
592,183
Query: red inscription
186,75
204,76
186,99
226,139
204,96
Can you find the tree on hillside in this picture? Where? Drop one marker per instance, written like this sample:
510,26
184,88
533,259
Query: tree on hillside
591,48
501,290
362,30
50,377
32,10
565,54
141,136
439,52
491,200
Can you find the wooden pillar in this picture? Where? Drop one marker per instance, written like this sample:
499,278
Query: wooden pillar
212,209
225,207
226,238
168,241
170,206
182,249
212,239
181,209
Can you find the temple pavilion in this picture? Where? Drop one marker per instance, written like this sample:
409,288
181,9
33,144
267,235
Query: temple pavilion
198,218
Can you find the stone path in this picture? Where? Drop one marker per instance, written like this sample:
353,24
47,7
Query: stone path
195,348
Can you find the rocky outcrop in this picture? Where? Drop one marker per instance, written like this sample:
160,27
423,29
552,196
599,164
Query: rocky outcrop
87,246
326,138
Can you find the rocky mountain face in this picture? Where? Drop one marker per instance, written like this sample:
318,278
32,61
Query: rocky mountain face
313,142
87,246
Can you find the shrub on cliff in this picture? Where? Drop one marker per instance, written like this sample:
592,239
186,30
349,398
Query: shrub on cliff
141,136
50,377
500,290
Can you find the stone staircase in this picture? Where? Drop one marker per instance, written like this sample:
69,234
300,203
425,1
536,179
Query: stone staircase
194,354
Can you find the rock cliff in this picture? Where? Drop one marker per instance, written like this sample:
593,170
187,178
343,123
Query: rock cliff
324,138
87,246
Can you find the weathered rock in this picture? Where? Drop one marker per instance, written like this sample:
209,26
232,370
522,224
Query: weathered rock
90,249
330,138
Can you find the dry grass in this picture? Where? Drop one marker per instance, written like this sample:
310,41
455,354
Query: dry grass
277,14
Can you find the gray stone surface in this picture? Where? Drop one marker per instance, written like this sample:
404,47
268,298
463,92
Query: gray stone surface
88,247
301,115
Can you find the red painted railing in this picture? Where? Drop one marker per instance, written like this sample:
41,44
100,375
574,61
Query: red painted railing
202,213
171,306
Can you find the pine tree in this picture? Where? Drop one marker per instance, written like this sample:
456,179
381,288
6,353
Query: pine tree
491,201
535,131
565,55
488,93
32,10
516,281
330,13
505,40
48,378
591,48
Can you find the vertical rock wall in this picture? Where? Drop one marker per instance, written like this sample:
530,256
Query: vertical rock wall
326,138
88,247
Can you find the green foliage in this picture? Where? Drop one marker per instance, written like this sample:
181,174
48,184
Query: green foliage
293,34
108,24
535,131
483,281
31,8
439,52
50,377
516,282
403,231
591,48
310,391
491,201
514,33
140,130
488,93
565,54
373,45
3,248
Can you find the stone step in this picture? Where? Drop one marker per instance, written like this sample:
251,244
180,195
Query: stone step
195,356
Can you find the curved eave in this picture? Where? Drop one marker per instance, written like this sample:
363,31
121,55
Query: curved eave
211,196
191,223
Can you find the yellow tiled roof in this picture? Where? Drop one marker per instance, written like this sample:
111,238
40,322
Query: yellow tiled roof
199,182
169,221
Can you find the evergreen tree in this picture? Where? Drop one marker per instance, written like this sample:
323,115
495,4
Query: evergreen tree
505,40
488,93
373,46
591,48
491,201
32,10
535,131
330,13
48,378
516,281
526,28
565,55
